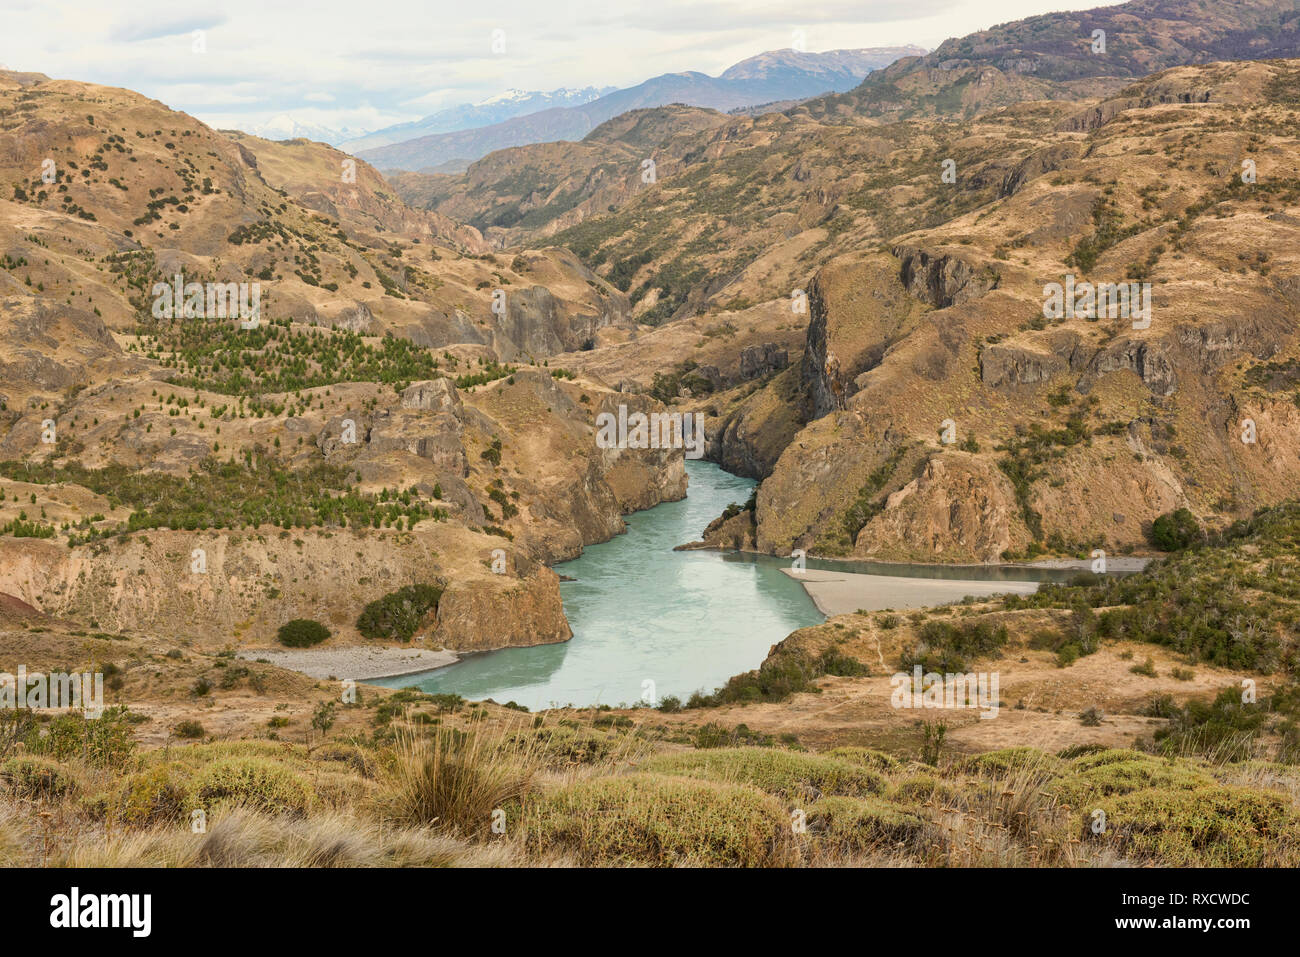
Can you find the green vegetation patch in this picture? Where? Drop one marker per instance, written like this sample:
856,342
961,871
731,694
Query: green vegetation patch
302,633
781,675
259,782
1205,827
786,774
36,777
657,821
398,614
233,495
862,824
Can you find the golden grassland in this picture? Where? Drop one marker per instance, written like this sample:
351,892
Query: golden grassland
475,789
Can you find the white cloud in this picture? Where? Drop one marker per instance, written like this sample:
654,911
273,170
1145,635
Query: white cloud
341,64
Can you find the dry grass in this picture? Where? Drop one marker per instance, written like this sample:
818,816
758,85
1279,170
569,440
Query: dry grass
574,794
459,780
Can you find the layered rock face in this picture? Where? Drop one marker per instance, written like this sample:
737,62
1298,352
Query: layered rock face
974,423
255,582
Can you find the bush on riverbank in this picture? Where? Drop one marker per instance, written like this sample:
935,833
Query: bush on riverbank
302,633
783,674
399,614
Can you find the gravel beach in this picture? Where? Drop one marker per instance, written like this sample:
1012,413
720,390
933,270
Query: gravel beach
358,663
840,593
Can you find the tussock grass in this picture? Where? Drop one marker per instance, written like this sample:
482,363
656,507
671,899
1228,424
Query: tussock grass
458,780
245,837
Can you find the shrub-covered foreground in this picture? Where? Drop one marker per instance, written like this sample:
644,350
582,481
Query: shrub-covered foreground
559,792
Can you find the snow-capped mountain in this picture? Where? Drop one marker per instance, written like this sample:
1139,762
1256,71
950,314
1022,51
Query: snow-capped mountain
285,127
779,75
469,116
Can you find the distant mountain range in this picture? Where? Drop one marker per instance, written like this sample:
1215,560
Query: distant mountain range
469,116
285,127
779,75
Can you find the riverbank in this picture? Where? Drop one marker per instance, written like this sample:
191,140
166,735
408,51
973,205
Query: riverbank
841,593
1113,563
357,663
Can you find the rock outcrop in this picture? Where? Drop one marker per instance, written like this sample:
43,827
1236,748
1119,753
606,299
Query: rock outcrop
942,279
255,581
959,509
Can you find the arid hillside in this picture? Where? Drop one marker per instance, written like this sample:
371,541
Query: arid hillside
1034,295
940,407
1069,55
106,191
745,210
990,423
339,397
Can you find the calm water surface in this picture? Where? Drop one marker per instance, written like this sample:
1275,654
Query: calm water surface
642,612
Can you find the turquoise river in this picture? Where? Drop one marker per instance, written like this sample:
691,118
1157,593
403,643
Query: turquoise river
642,613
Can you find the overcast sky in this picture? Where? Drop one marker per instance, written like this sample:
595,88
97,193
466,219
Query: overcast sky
364,65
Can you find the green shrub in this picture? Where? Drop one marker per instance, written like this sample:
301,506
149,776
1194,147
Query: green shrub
945,646
189,729
1224,729
1174,531
780,676
1099,782
1146,669
1078,750
919,788
302,633
259,782
398,614
104,741
1097,755
155,796
652,820
35,777
860,824
1009,760
1206,827
1091,717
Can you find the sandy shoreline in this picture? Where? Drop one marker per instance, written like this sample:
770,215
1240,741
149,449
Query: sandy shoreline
358,663
841,593
1114,563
